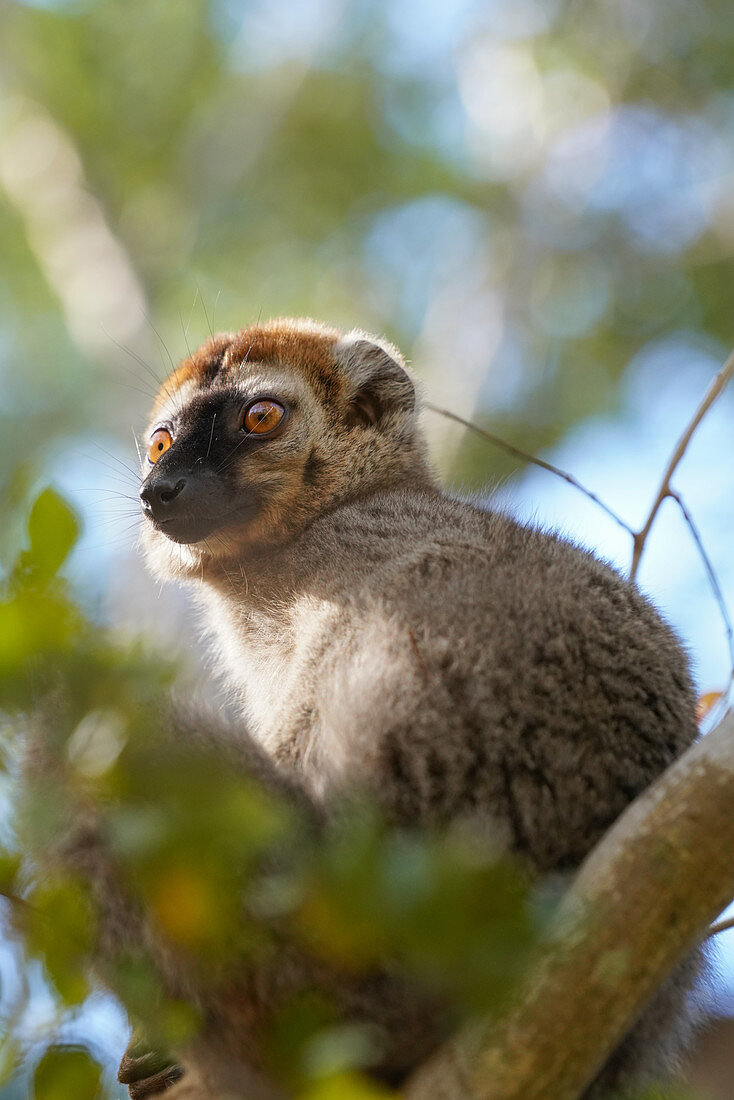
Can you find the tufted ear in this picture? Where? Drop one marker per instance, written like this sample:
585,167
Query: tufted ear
377,382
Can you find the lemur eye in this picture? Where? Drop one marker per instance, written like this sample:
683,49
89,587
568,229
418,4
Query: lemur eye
263,416
159,443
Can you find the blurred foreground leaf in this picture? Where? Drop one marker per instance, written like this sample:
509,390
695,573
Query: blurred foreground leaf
37,619
450,907
53,529
10,1058
58,923
346,1086
227,871
67,1073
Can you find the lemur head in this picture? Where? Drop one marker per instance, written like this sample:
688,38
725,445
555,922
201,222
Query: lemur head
259,432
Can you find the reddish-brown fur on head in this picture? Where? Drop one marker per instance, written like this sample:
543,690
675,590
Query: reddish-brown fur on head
303,344
349,428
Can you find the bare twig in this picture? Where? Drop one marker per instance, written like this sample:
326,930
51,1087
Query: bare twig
721,926
663,871
639,538
525,457
715,587
14,899
714,391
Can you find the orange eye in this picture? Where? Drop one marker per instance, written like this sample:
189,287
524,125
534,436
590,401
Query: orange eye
263,416
159,443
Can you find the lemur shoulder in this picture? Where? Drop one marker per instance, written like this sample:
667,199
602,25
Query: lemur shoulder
380,634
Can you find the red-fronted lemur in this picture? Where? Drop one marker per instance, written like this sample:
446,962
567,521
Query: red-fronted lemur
380,634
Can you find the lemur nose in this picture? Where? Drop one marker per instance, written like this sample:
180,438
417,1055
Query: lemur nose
158,497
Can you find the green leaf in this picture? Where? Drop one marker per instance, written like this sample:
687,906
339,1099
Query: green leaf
67,1073
34,623
9,866
59,929
53,529
346,1086
11,1056
660,1092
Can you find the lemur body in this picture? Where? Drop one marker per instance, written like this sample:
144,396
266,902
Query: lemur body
382,635
470,674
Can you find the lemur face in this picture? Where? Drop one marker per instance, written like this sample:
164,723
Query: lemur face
219,455
257,433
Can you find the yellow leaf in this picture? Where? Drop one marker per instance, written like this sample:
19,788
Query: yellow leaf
185,905
346,1086
706,704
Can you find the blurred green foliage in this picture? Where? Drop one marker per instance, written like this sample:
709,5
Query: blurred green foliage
65,1072
223,868
522,195
218,863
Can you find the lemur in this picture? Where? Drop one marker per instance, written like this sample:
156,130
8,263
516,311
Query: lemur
384,636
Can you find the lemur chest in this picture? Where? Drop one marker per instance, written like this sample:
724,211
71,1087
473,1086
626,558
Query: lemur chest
270,657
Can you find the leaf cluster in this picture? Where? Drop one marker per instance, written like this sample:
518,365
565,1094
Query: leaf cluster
226,870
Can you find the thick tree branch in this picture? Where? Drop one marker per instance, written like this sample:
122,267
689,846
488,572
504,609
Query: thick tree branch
640,902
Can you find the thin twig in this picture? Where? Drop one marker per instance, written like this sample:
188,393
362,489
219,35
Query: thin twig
721,926
639,538
14,899
525,457
715,587
715,389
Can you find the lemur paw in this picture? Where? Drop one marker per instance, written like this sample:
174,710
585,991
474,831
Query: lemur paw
147,1072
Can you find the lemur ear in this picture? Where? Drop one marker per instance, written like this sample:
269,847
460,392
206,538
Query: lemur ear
378,383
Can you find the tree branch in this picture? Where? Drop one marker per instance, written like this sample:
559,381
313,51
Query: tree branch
642,899
721,926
